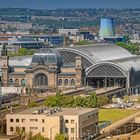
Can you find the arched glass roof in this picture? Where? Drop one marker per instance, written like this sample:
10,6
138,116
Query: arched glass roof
48,55
99,52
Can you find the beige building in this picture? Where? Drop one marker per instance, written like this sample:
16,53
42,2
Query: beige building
76,123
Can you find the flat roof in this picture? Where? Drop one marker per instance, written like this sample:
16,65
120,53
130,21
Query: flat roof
62,111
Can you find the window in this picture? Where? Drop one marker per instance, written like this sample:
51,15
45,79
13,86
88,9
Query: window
72,121
17,120
72,130
10,81
72,82
43,120
17,128
60,82
43,129
66,130
33,128
66,121
66,82
23,128
11,120
23,120
11,129
33,120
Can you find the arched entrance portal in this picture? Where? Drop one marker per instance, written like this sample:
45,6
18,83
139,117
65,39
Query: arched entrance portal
40,82
106,75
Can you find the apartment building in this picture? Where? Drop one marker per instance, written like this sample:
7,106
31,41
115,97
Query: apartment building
76,123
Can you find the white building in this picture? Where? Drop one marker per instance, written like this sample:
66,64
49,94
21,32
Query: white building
68,31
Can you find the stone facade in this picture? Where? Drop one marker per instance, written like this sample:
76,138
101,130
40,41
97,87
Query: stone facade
41,76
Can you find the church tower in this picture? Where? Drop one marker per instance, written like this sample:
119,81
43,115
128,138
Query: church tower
4,65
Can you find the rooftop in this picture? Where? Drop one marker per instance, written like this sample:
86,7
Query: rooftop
56,111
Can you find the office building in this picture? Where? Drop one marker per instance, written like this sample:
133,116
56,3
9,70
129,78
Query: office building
75,123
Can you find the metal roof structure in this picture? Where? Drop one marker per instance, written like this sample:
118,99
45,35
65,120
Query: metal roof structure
97,59
111,60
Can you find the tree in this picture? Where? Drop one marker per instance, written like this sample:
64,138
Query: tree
92,101
103,100
60,137
39,137
56,100
32,104
126,98
23,51
21,133
29,136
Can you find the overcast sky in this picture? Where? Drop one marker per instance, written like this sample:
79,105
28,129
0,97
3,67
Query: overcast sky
51,4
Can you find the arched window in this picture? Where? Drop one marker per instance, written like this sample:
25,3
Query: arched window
72,82
41,80
23,82
66,82
10,82
16,82
60,82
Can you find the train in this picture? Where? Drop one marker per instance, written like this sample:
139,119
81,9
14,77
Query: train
8,98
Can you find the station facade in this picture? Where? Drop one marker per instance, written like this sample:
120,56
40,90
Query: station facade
98,66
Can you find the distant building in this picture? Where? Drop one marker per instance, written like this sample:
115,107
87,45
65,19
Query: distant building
68,31
76,123
135,38
107,32
15,43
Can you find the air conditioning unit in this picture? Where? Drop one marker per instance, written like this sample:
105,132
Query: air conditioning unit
35,112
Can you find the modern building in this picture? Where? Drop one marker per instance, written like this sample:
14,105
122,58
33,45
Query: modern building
14,44
135,38
76,123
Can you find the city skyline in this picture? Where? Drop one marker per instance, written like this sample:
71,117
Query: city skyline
53,4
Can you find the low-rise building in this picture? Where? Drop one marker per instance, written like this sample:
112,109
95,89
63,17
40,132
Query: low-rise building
76,123
68,31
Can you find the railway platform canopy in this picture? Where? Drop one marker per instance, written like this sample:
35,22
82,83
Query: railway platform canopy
104,64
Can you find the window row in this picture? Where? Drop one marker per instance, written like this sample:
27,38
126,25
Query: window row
71,130
23,128
67,121
23,120
66,82
17,82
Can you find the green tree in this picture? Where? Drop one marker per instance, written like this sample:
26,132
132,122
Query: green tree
92,100
29,136
23,51
60,137
126,98
39,137
79,102
103,100
57,100
21,133
32,104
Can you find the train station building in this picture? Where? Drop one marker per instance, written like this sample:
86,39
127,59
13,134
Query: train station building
99,65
